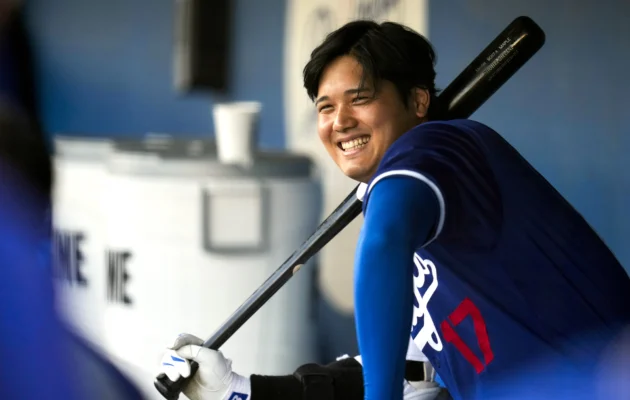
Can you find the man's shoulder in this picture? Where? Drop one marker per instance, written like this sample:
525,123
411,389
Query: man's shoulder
427,135
456,126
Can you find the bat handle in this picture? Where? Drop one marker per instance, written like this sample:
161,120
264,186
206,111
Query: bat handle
170,390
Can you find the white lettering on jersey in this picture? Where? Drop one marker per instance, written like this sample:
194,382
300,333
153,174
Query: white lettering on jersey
427,334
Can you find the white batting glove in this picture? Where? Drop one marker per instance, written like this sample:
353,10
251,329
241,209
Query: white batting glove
423,390
214,380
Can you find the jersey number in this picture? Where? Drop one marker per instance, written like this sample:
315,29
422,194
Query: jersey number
466,308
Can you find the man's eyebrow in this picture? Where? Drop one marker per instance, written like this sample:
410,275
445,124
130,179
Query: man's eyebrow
357,90
321,99
347,92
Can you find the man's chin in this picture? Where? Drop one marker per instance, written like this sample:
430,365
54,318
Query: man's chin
357,173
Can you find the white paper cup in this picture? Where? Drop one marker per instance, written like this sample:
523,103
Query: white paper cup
236,131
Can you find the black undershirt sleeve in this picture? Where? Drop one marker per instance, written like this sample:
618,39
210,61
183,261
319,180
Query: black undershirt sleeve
344,377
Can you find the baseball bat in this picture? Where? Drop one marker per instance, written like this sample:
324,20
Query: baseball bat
494,66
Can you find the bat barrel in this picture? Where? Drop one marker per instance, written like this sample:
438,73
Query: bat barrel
505,55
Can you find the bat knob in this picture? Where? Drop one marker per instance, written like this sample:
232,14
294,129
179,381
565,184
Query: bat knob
171,390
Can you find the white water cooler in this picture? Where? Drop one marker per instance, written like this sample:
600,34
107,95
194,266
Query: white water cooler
189,239
79,223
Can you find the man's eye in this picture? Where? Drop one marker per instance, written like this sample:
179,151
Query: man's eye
360,99
323,108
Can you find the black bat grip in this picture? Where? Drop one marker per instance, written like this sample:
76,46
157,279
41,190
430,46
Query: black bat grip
170,390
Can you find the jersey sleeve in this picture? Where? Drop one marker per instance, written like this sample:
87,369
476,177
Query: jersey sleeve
449,157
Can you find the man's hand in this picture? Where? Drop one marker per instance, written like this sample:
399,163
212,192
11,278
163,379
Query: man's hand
214,380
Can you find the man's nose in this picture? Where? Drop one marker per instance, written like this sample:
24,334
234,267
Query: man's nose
344,120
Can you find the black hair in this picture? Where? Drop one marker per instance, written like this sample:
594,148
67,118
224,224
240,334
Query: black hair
386,51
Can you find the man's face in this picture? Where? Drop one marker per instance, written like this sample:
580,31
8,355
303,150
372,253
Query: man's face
357,125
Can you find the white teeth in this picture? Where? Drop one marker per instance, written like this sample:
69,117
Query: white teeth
355,143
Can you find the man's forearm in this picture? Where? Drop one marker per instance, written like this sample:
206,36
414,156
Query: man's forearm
341,379
346,382
275,387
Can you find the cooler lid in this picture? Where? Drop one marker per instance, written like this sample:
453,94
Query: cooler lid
168,156
82,147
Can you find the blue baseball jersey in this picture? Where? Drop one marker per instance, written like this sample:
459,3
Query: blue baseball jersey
513,278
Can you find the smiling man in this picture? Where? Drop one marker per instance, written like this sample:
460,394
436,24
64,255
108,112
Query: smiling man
466,250
465,246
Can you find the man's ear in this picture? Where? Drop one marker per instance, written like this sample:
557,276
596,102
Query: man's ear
420,100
